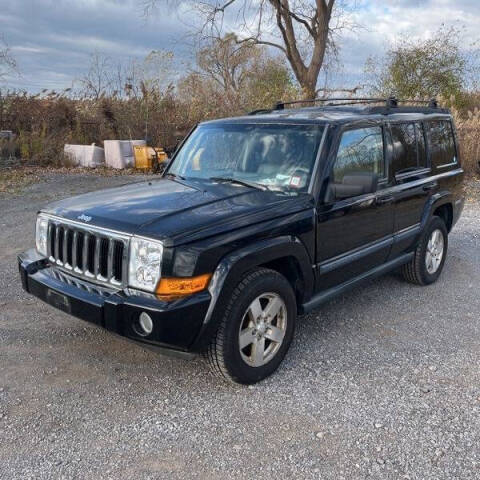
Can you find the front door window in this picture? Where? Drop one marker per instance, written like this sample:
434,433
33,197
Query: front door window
359,164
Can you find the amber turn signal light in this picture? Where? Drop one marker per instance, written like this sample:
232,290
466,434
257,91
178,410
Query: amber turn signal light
179,287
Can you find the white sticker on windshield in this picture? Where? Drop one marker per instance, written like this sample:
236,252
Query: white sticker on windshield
295,181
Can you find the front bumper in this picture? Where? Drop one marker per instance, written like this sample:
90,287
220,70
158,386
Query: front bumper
176,324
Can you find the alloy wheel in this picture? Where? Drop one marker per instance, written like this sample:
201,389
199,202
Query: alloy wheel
262,329
434,253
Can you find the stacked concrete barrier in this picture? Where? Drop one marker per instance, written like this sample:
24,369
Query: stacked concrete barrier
119,153
85,155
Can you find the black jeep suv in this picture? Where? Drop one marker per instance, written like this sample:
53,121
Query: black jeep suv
256,220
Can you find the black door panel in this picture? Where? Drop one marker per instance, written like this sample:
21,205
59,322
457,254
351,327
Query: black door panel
353,237
410,200
354,234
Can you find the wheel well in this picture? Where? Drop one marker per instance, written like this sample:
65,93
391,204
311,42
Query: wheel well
445,212
290,269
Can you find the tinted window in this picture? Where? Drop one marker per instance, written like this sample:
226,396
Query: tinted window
359,163
442,144
422,151
408,147
359,151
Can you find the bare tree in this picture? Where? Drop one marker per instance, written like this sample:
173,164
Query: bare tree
7,62
156,72
100,79
303,30
227,62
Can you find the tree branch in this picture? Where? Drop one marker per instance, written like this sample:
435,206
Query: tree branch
256,41
311,29
352,91
284,23
222,8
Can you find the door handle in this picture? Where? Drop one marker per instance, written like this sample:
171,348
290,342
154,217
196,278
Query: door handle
384,200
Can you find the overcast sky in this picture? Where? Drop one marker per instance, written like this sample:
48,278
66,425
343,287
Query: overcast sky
52,40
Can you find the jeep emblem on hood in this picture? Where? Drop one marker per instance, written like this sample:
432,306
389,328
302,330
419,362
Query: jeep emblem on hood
84,217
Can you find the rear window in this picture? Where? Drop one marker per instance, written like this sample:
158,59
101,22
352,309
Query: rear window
442,143
408,147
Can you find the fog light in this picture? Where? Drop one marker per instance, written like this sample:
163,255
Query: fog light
145,324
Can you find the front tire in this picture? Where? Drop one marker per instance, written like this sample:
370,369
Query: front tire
256,328
429,257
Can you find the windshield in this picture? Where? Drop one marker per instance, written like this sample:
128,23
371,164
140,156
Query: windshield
277,156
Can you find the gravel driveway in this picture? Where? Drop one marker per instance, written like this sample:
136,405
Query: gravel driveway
383,382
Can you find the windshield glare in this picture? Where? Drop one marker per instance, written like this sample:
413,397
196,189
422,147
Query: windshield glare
279,156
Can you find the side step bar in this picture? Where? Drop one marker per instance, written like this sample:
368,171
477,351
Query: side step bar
330,293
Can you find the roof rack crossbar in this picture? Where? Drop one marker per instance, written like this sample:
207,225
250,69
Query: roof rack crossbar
281,105
353,102
432,103
390,102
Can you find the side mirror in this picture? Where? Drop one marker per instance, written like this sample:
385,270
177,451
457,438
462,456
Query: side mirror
353,185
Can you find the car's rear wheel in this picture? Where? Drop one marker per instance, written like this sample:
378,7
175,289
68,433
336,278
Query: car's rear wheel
429,257
256,328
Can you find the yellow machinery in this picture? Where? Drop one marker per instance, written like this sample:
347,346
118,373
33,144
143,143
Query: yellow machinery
149,158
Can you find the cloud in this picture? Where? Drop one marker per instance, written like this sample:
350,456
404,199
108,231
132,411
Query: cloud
52,40
385,21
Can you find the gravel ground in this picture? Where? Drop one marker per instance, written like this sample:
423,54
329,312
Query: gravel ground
381,383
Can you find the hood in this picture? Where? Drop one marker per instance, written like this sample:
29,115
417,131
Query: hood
177,211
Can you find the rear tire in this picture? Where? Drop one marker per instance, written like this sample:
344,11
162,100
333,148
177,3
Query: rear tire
429,257
256,328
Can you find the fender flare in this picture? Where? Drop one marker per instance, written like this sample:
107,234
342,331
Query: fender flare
435,201
235,264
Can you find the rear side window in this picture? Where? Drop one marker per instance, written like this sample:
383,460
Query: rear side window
409,153
442,143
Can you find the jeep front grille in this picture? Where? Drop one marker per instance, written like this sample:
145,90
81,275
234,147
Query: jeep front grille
92,253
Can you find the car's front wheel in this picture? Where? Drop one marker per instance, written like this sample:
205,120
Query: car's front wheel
256,328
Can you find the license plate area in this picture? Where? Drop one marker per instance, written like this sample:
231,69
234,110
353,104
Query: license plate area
58,300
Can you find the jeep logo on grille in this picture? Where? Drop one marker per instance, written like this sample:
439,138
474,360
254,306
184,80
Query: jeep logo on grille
84,217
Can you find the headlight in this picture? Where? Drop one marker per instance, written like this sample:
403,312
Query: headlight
145,263
41,235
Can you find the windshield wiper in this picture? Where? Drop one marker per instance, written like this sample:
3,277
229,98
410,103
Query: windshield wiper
245,183
174,175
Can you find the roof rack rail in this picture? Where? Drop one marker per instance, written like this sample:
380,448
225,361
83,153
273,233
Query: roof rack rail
390,102
260,110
